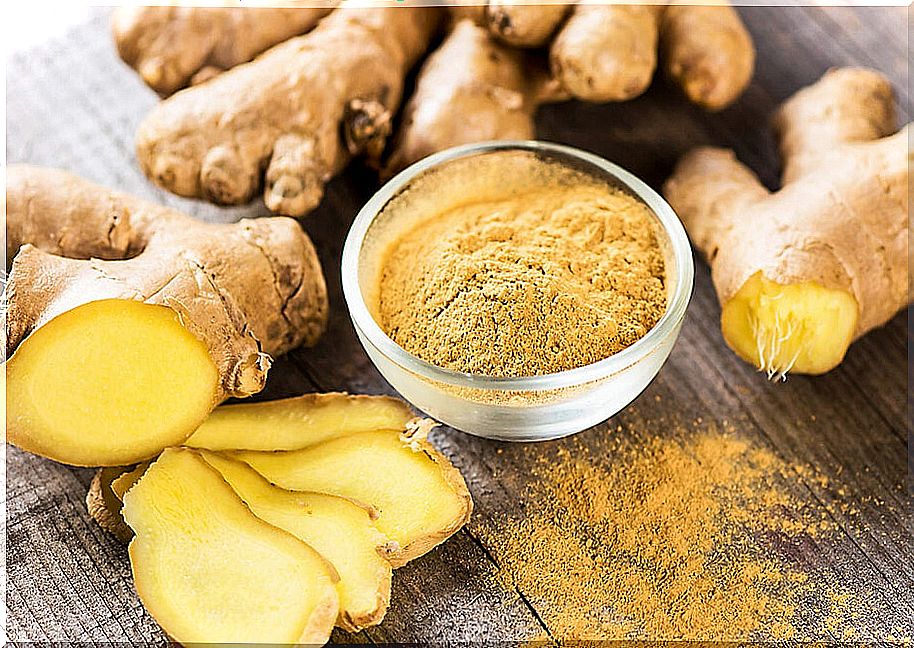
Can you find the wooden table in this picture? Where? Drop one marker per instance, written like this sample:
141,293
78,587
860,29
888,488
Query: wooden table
72,104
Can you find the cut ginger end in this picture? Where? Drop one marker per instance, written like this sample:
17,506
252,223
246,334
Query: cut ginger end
801,328
110,382
209,571
337,528
421,500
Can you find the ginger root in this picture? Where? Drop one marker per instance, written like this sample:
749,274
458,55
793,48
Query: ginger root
472,88
210,571
174,46
609,52
296,423
127,322
802,272
300,111
524,25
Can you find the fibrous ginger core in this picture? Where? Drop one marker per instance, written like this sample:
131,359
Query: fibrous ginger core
803,327
536,281
108,383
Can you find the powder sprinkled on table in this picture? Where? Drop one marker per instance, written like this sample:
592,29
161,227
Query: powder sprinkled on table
538,282
674,539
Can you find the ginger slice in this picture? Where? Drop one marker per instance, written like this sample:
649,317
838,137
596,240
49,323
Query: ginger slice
339,529
126,480
295,423
104,505
803,271
209,570
107,383
420,496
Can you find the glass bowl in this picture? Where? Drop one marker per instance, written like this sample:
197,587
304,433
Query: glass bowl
510,409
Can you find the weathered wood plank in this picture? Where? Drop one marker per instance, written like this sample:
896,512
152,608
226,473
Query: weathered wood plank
72,104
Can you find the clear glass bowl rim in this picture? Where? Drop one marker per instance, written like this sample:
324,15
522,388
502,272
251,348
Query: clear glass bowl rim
667,325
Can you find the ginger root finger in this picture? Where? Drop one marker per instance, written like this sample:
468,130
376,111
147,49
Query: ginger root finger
848,105
607,52
524,25
285,112
112,360
210,571
339,529
802,272
296,423
172,47
707,52
470,89
421,498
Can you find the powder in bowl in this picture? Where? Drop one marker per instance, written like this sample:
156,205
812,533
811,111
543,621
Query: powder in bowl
533,280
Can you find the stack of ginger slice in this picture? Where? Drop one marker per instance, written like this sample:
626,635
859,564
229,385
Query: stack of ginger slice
277,521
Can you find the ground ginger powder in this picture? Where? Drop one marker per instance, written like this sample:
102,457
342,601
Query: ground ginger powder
535,282
674,539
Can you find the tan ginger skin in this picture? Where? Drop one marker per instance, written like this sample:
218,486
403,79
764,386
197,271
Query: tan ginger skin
104,506
472,88
524,25
836,230
300,111
608,52
284,111
490,94
173,47
248,290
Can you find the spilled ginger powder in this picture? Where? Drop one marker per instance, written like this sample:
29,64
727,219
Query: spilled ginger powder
670,539
531,283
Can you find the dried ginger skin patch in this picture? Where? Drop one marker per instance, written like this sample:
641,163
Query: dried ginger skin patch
537,280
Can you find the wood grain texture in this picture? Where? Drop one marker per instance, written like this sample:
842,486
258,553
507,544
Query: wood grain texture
72,104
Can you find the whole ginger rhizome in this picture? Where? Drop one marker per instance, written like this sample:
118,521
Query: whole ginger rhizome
513,266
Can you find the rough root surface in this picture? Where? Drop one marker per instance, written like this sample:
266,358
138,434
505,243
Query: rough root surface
839,223
286,112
